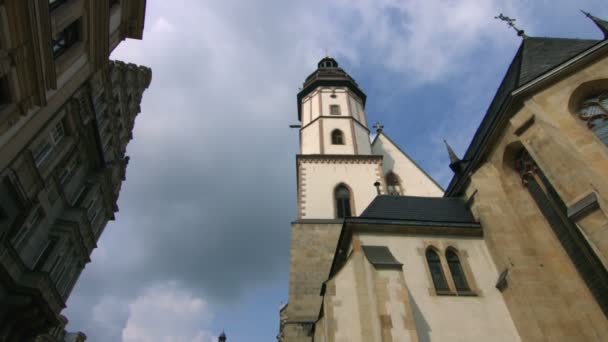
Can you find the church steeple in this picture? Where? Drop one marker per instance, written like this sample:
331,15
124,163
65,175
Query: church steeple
331,108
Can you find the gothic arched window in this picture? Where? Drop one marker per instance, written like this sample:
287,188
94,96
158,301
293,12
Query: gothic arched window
460,280
337,137
432,258
392,184
342,195
594,110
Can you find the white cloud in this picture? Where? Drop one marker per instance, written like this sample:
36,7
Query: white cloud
167,313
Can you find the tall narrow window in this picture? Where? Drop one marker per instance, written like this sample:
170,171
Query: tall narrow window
48,143
460,280
594,111
334,109
586,262
342,202
45,253
66,38
337,138
432,258
392,184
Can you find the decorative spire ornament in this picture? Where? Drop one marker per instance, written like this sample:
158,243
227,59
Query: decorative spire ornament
601,24
378,126
511,23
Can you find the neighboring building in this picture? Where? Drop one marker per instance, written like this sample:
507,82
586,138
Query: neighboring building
66,116
516,248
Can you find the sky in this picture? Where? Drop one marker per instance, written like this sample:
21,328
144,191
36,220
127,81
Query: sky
201,240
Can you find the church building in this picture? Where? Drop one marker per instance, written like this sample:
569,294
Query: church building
516,247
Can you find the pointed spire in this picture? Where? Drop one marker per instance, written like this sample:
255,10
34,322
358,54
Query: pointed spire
455,163
453,157
601,24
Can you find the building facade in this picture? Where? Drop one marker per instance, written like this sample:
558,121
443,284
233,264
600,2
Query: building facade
515,249
66,115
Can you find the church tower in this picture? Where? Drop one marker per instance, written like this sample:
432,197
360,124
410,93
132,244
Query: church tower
339,173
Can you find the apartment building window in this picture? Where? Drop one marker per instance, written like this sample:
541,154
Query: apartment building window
66,38
5,91
45,253
48,143
55,3
69,170
29,225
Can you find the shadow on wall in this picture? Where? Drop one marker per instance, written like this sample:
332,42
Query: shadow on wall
422,326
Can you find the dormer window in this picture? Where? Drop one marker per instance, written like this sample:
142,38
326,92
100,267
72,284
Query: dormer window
334,109
66,38
337,137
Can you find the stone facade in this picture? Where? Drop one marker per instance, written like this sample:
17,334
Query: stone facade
517,247
66,116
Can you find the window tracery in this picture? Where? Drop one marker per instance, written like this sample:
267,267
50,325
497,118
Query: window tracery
594,111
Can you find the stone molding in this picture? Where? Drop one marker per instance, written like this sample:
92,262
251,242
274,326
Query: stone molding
337,159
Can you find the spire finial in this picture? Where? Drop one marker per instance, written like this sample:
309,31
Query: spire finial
378,126
601,24
511,23
453,157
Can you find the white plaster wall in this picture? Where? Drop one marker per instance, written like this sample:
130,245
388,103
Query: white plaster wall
320,180
346,313
329,125
310,139
451,318
306,114
414,181
340,100
363,144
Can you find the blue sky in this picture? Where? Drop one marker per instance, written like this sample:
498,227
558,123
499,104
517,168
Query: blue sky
201,241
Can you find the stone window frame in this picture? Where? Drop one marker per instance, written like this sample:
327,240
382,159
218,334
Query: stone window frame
351,199
337,137
463,256
582,93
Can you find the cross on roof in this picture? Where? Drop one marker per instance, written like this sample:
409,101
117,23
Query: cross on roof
511,23
378,126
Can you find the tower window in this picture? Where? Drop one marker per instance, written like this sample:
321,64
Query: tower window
66,38
392,184
337,137
342,195
334,109
594,110
460,281
439,281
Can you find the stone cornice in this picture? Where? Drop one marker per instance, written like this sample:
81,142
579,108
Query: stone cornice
338,158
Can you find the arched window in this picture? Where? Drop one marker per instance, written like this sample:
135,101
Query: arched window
342,201
460,280
392,184
594,110
432,258
337,137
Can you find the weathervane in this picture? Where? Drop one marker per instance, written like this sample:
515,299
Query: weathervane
511,23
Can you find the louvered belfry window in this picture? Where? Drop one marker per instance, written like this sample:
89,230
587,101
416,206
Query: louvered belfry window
594,111
342,202
567,232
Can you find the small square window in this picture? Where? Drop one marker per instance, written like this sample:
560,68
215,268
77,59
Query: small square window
334,110
66,38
